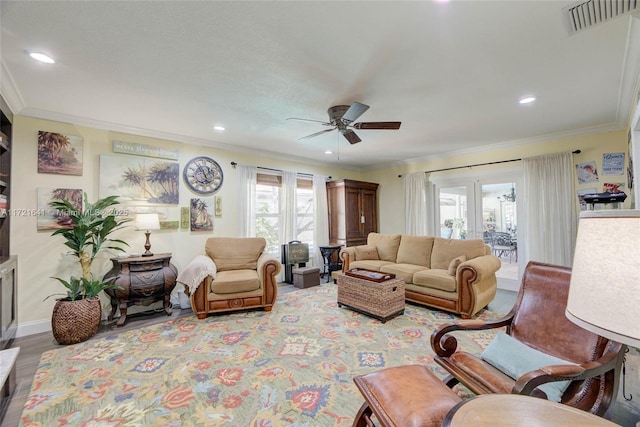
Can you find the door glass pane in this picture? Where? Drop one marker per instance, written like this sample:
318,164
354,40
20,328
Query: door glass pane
500,225
453,213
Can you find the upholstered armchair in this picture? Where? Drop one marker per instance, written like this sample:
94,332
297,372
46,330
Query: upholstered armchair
234,274
544,353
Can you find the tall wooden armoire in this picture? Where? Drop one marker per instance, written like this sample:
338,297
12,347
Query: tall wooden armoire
353,211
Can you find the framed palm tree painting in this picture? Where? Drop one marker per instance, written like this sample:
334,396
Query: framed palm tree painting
59,154
139,180
201,214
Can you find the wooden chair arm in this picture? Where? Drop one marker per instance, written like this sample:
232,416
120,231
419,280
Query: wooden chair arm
445,345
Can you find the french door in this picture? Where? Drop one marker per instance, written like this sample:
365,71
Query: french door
483,207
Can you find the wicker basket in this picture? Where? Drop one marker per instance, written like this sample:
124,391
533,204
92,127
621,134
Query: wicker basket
76,321
382,301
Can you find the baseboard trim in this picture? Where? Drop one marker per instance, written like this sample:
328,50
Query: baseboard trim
32,328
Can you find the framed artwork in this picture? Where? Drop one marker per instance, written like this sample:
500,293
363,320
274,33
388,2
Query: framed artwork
587,172
612,163
50,219
201,214
184,217
59,154
168,215
218,206
139,180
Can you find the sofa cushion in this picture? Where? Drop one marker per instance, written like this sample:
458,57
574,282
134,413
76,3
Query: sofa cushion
415,250
386,244
444,250
436,279
235,253
516,359
234,281
371,264
402,271
453,265
366,252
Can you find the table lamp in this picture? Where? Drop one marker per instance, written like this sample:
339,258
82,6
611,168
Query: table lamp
604,293
147,222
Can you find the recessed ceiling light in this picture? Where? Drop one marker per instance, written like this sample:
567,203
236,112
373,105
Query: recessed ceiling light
328,152
41,57
218,128
527,100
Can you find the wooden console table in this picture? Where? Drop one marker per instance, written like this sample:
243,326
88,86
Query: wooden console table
144,280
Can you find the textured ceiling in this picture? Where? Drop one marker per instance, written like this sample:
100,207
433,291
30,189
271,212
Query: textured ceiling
451,72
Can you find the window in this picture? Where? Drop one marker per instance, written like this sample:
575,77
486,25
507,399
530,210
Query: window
268,215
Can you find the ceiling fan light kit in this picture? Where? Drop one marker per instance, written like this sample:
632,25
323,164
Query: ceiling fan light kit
341,118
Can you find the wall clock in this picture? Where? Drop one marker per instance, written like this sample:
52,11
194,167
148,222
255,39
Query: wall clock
203,175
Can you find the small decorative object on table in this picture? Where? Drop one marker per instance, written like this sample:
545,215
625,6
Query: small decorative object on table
382,300
374,276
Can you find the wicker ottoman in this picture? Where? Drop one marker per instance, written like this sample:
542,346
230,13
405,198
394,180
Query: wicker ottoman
380,300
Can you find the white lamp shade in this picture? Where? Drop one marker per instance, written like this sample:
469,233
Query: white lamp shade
147,222
604,295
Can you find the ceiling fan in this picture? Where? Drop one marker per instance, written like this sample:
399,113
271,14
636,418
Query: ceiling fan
341,117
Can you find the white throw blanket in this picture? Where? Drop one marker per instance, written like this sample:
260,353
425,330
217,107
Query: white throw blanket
197,270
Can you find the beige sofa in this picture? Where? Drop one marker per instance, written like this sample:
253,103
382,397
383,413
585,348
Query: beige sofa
453,275
235,274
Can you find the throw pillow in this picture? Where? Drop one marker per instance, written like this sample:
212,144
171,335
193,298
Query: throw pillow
515,359
453,265
366,252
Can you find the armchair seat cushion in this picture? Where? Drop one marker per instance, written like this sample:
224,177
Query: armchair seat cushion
235,281
435,279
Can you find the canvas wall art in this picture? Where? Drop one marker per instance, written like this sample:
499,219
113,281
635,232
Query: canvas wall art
587,172
168,215
139,180
50,219
59,154
201,213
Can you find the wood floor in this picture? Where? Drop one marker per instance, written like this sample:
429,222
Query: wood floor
32,346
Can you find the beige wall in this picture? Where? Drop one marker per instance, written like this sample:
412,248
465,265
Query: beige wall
391,199
41,256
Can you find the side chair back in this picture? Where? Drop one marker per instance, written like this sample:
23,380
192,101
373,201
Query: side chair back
538,320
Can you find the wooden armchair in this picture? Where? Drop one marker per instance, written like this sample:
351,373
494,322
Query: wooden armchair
538,320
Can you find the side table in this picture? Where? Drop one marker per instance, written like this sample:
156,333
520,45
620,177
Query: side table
331,257
144,280
502,410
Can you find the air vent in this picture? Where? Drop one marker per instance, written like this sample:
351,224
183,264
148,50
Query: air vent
585,14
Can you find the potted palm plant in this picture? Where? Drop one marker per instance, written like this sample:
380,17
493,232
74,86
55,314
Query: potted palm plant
76,317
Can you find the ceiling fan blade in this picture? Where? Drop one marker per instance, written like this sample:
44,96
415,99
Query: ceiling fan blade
355,111
351,136
378,125
316,134
309,120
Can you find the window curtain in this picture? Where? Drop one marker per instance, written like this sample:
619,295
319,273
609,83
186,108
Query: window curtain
415,203
246,200
288,208
549,191
320,218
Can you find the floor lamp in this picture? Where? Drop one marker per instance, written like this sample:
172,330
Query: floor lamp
604,295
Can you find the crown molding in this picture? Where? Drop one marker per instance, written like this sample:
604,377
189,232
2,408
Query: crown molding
168,136
9,90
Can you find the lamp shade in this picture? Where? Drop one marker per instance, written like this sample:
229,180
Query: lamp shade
604,295
147,222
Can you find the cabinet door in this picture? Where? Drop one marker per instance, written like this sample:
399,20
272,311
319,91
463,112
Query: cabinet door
369,208
353,213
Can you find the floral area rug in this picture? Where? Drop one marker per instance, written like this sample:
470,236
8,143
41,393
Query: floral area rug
291,367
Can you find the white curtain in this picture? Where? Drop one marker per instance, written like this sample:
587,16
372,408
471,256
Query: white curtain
246,200
549,191
415,203
288,207
320,218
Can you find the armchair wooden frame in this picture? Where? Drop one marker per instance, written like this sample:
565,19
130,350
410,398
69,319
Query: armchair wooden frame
537,319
